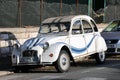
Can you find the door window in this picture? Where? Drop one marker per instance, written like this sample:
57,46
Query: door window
87,27
76,29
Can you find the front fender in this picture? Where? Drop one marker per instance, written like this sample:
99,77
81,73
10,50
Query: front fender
53,49
15,56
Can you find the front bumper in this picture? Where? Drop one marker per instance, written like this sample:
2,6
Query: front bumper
113,48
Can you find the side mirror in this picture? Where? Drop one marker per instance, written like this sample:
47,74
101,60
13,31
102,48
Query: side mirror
16,46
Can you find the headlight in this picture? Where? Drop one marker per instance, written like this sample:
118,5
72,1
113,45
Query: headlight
13,56
45,46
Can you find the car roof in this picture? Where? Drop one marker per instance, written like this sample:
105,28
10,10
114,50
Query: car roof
64,18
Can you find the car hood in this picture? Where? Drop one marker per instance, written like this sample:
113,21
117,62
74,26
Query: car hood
40,40
110,35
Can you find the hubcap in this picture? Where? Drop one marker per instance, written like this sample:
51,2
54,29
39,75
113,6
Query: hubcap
64,61
101,56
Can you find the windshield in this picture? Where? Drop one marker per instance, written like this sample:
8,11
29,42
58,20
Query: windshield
54,27
114,26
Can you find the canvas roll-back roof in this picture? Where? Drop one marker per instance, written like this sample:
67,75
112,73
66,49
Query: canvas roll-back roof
61,19
58,19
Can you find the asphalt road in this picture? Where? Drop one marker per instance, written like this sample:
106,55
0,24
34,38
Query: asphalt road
87,70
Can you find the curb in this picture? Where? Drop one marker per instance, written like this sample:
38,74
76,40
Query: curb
2,73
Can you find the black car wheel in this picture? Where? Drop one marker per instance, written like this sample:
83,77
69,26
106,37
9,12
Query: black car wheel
100,57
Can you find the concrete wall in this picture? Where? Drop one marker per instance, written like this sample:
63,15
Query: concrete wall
10,36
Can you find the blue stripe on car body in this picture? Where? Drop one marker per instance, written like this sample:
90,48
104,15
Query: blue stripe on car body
79,50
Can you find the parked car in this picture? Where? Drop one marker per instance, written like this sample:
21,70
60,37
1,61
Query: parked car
61,40
111,34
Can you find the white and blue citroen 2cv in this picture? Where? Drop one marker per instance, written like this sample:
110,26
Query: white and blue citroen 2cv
60,40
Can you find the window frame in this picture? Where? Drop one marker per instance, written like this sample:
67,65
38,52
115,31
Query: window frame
87,29
79,30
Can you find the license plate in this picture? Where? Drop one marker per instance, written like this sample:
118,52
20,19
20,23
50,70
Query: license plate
26,60
111,45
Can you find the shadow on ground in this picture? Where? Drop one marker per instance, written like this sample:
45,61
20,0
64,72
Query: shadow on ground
5,64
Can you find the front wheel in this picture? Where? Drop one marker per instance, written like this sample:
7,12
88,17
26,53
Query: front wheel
100,57
63,62
16,69
22,69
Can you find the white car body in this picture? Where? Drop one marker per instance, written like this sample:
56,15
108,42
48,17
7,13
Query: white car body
45,49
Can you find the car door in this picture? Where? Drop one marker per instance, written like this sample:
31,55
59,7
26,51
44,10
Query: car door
77,40
89,36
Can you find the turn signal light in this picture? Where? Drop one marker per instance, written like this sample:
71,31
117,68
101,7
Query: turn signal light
51,55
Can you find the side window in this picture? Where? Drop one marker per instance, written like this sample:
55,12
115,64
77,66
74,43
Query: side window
94,26
65,27
54,28
87,27
77,28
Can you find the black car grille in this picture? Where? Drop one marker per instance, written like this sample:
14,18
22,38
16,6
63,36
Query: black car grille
111,41
111,50
29,53
114,50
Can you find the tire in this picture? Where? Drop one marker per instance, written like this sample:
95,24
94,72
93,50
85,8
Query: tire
16,70
20,69
100,57
63,62
24,70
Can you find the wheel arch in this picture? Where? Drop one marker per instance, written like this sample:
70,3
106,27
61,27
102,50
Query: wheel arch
56,49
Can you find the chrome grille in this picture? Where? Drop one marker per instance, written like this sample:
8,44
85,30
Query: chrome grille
29,53
29,57
111,41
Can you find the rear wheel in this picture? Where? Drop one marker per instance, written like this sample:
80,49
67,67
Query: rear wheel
24,70
63,62
100,57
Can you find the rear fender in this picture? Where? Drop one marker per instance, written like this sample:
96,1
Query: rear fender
100,44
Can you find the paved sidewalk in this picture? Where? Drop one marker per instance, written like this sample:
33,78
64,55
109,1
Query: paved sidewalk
2,73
